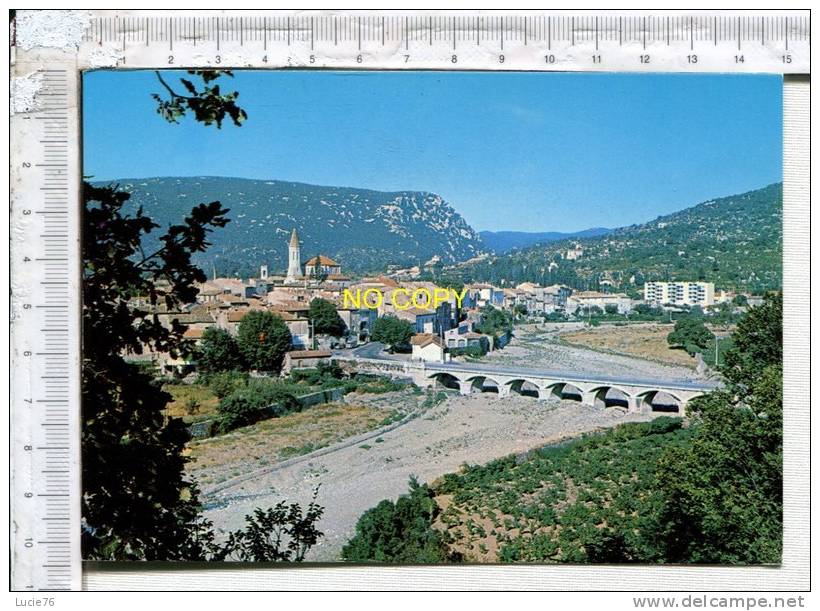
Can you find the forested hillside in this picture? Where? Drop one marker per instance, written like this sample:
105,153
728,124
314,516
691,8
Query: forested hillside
735,242
500,242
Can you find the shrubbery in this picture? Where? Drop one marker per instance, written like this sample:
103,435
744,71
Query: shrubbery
325,375
400,532
475,351
244,406
224,383
691,334
263,339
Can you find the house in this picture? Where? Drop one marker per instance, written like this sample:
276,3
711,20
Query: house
428,347
340,280
304,359
197,317
428,320
463,337
297,308
594,299
359,321
257,288
322,265
537,299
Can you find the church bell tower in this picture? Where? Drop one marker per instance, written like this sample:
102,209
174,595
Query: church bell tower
294,259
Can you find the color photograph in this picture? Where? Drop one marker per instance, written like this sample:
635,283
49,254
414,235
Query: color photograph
430,317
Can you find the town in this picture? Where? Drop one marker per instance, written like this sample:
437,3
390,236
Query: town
444,323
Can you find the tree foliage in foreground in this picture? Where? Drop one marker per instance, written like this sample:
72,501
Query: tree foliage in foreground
136,502
399,532
724,492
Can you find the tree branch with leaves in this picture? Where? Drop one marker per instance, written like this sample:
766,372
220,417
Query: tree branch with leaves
209,105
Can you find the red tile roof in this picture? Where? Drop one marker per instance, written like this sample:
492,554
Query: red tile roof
425,339
322,260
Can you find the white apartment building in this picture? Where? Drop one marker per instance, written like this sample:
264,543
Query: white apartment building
680,293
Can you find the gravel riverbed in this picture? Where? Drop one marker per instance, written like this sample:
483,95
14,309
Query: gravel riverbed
471,429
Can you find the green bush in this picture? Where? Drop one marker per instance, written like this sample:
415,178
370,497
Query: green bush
321,375
263,339
244,406
392,331
400,532
691,334
224,383
474,351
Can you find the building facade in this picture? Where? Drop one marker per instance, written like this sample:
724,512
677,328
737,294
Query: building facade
322,265
680,293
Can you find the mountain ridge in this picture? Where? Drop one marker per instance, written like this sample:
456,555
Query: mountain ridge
363,229
504,241
735,241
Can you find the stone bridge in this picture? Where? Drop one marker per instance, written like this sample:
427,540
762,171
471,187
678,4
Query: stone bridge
600,391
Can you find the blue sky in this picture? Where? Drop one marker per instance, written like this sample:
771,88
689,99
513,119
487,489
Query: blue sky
510,151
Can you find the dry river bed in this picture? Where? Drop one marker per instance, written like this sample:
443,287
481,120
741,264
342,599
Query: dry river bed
355,474
539,347
352,478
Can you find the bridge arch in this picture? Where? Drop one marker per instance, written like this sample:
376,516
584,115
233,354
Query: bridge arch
657,400
485,384
524,387
446,380
610,396
565,391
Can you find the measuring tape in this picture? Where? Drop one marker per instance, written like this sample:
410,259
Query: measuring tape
45,337
46,171
586,42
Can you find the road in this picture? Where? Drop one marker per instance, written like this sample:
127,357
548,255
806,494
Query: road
371,350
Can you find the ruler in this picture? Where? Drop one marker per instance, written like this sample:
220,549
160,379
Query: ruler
635,41
45,499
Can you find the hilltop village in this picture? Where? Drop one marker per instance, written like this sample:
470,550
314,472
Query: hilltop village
441,331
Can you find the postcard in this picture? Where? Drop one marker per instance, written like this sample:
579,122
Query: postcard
430,317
